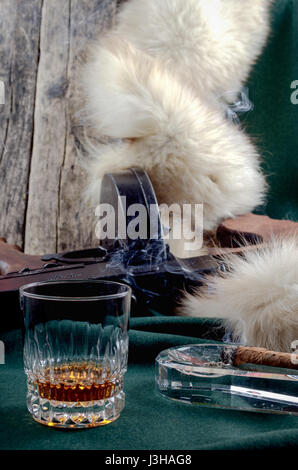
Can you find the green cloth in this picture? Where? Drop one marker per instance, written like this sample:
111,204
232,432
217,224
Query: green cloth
148,421
273,123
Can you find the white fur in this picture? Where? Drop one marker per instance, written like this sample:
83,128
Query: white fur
258,298
191,153
211,43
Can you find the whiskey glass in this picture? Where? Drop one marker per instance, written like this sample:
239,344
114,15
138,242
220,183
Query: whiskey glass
75,351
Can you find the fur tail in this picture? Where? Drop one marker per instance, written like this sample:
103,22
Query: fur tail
192,154
213,44
257,297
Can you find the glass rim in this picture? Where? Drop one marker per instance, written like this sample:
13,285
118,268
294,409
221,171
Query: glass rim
73,298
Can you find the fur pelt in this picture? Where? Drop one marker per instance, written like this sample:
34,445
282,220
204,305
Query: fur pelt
190,151
212,44
257,297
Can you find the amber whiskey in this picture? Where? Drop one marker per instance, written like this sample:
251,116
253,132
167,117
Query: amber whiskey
75,382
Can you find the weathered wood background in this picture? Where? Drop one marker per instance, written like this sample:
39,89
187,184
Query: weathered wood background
41,181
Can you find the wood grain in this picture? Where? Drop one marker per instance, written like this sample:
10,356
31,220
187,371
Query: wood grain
50,127
19,55
41,181
75,217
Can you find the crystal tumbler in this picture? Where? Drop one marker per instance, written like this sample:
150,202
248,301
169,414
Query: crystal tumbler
75,351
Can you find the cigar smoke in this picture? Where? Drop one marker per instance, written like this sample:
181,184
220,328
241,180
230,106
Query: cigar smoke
240,106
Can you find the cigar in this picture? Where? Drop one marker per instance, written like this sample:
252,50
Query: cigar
238,355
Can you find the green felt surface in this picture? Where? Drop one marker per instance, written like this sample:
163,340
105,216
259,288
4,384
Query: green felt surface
273,123
148,421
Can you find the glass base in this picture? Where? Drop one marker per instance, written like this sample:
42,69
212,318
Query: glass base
74,415
71,424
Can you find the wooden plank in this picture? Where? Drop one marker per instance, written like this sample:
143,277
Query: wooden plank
57,219
19,53
50,127
40,177
76,221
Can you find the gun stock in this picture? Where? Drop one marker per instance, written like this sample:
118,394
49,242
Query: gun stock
12,259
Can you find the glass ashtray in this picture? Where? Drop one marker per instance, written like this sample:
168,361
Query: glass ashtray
195,374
